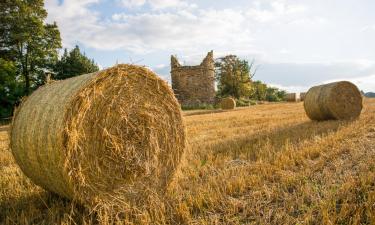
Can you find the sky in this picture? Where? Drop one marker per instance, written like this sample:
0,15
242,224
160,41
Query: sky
295,44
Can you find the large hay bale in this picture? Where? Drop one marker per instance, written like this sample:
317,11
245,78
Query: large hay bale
339,100
116,134
302,96
228,103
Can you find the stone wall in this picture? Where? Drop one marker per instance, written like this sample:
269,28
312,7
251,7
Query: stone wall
194,85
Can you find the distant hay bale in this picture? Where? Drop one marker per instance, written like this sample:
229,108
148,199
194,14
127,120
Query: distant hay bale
302,96
228,103
292,97
339,100
116,134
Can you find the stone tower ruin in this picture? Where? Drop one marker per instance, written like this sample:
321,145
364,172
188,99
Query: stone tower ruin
194,85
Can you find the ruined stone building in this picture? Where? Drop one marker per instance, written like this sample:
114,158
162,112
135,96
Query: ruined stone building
194,85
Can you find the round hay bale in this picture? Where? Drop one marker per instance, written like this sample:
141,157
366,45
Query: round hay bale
228,103
115,134
292,97
339,101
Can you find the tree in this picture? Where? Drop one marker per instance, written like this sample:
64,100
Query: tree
274,94
28,41
233,76
10,90
74,63
259,91
262,92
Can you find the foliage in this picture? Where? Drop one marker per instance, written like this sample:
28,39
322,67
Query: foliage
27,40
262,92
259,91
274,94
233,76
243,102
74,63
10,89
199,107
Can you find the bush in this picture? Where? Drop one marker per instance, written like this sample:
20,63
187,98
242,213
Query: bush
245,102
199,107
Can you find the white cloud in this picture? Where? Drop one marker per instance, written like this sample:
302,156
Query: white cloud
132,3
161,66
272,11
368,28
284,51
291,88
183,29
77,23
156,4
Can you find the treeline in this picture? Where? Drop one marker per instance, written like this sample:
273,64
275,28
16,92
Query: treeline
234,78
29,50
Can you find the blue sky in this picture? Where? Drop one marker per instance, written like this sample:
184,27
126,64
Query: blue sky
295,43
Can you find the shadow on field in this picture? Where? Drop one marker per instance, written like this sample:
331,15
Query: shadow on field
187,113
215,111
266,144
39,208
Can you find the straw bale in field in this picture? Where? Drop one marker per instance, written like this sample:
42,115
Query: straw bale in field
116,134
292,97
228,103
339,100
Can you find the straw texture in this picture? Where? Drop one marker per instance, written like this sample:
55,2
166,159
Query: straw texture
228,103
111,136
292,97
339,100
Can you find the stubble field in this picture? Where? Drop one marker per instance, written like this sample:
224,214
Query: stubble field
266,164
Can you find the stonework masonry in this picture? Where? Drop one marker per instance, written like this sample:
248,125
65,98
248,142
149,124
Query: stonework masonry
194,85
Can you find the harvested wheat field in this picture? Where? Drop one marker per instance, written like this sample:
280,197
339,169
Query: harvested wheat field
266,164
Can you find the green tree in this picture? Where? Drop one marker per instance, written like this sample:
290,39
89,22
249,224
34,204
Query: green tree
259,91
262,92
74,63
233,76
10,90
274,94
27,40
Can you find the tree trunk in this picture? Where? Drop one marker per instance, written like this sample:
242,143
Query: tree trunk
27,81
26,74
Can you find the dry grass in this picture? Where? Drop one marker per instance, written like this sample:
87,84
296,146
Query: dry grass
266,164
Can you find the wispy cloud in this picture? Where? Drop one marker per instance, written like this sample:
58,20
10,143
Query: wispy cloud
156,4
184,29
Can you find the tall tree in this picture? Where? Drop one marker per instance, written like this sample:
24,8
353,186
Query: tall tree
10,89
262,92
233,76
74,63
259,91
27,40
